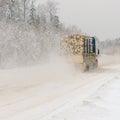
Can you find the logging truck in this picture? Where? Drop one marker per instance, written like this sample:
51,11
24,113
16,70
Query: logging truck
80,50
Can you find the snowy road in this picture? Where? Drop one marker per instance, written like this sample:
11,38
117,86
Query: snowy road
49,92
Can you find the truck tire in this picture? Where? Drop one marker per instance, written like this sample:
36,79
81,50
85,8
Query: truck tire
86,67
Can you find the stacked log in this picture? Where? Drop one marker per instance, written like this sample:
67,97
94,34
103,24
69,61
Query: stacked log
72,45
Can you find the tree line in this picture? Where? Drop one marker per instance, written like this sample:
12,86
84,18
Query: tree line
29,31
110,46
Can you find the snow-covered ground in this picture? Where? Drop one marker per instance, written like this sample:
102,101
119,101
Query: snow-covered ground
56,91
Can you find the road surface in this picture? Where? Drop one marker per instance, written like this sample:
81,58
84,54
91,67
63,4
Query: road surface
58,92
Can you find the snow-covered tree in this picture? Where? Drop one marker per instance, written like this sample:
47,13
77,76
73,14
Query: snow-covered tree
10,9
32,14
51,10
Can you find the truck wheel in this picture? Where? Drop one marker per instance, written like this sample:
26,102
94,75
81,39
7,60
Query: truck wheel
86,67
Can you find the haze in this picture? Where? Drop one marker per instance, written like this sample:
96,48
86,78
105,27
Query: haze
95,17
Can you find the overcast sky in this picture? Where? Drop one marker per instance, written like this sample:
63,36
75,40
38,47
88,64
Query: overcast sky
95,17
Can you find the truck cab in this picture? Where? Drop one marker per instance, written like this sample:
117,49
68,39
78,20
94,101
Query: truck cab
90,53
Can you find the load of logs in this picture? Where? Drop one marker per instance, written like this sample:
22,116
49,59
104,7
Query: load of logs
72,44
